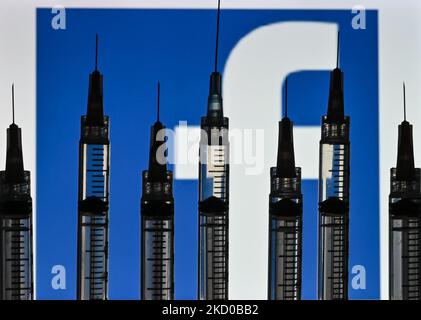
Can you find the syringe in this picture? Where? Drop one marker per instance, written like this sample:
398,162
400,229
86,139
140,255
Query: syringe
405,220
16,277
213,193
157,215
334,195
285,218
94,159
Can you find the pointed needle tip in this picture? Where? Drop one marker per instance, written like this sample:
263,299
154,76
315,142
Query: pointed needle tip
404,101
286,97
159,98
13,103
337,48
96,52
217,35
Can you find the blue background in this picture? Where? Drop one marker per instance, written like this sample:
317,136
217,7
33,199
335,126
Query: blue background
139,47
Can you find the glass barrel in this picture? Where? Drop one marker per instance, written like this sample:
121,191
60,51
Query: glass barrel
16,278
213,213
285,237
157,240
94,158
405,238
334,212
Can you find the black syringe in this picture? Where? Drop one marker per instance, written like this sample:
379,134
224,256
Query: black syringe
405,220
213,192
334,195
157,216
16,273
285,218
93,206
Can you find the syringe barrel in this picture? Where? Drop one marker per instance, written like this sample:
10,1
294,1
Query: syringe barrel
157,239
93,208
405,238
213,211
16,266
285,237
334,211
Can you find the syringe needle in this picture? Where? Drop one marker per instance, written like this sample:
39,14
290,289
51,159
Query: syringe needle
158,102
93,198
157,220
337,49
13,103
96,52
286,97
334,193
16,220
285,213
405,219
213,201
404,102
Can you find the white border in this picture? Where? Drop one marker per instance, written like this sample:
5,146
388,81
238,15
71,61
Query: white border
399,59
